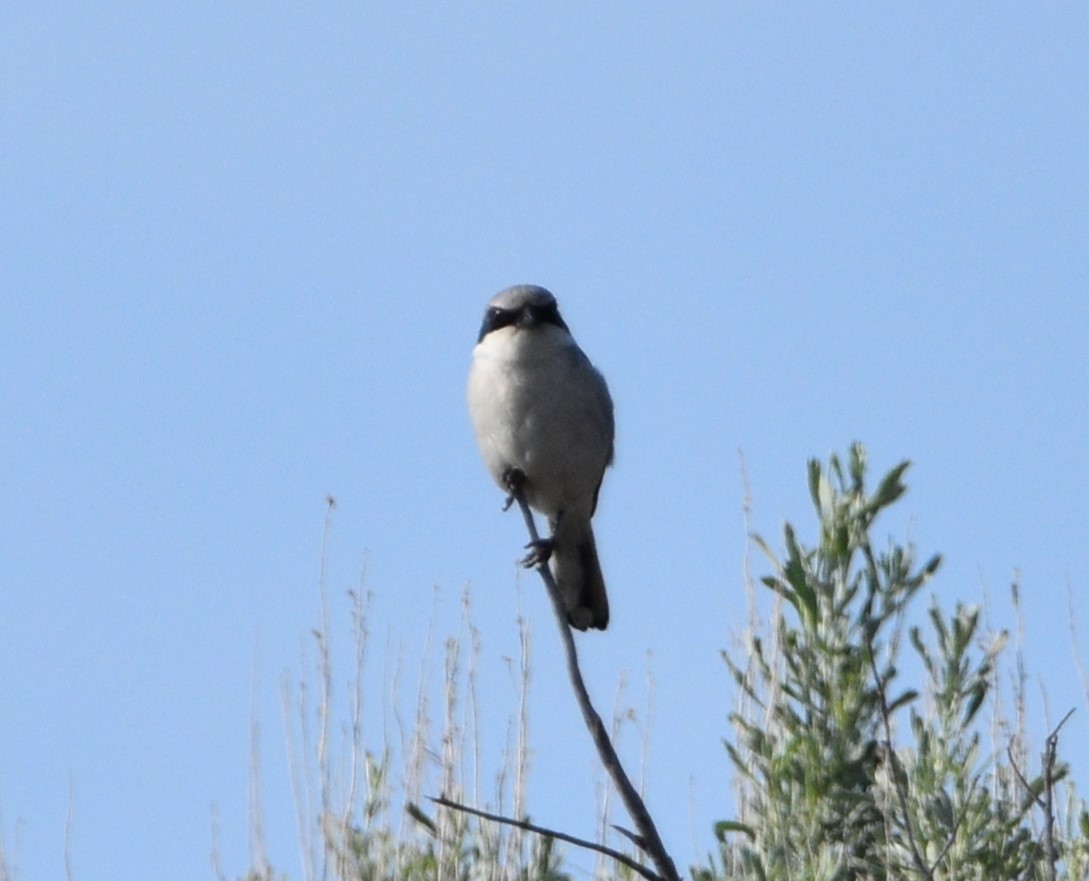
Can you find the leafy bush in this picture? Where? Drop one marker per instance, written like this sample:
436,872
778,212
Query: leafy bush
827,790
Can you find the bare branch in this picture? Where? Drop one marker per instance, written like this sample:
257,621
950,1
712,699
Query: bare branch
648,838
1027,786
550,833
1049,792
1046,804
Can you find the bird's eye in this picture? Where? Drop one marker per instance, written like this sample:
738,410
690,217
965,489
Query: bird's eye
550,314
495,318
501,317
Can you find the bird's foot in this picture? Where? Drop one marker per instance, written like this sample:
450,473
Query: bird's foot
513,479
540,551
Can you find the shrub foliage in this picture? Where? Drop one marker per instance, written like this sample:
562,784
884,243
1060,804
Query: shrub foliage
832,784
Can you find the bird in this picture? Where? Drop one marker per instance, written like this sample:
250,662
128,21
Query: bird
544,423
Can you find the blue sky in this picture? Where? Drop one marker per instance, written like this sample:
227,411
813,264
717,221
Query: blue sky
244,252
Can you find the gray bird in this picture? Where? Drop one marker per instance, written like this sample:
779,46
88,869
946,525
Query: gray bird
542,414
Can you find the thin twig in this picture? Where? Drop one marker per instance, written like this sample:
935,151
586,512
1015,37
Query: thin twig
1049,811
1049,807
1028,786
550,833
648,833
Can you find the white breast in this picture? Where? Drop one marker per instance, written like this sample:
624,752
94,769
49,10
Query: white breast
538,404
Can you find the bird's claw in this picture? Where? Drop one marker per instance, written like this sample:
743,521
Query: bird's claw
540,551
513,479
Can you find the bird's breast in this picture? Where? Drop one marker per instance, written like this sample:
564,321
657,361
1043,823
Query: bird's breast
541,409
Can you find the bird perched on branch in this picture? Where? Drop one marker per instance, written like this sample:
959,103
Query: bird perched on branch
543,419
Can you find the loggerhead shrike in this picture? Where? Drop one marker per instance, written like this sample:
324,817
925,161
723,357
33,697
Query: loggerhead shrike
544,420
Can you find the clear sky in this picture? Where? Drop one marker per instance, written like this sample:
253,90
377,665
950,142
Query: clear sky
244,253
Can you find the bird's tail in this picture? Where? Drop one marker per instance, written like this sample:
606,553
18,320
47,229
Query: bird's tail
578,574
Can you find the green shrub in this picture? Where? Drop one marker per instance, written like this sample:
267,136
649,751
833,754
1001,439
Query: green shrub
830,786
